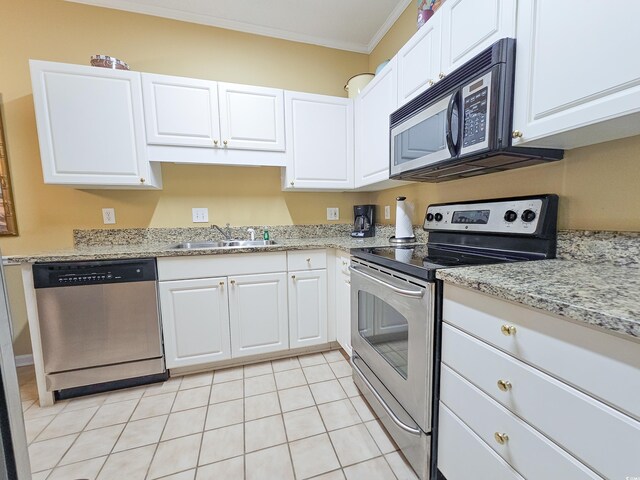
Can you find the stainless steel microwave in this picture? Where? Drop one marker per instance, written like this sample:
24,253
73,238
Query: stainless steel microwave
462,125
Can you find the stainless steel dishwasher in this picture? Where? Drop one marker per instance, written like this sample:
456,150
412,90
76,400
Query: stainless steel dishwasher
99,325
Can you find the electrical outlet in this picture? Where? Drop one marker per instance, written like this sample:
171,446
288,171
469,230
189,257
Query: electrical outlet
333,213
387,212
200,215
108,216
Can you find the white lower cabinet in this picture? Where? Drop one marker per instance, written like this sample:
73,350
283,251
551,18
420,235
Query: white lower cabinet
343,302
551,398
258,313
307,308
463,455
195,321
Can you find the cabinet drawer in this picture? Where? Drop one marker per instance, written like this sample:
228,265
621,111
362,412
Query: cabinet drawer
221,265
306,260
603,365
463,455
486,418
599,436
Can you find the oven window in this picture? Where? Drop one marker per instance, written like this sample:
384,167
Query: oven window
422,139
386,330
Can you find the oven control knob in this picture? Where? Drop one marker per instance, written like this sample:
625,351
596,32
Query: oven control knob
528,216
438,217
510,216
429,217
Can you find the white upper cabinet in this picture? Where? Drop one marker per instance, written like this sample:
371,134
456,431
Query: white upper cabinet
577,74
200,121
251,118
373,106
452,36
180,111
319,142
91,127
419,61
470,26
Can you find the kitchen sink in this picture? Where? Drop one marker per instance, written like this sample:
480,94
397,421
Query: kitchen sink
221,244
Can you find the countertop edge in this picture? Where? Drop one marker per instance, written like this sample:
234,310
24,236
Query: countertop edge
601,320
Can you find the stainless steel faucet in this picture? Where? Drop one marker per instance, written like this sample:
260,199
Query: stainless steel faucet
226,233
252,232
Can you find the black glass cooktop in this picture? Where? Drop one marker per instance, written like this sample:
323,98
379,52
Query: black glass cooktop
422,261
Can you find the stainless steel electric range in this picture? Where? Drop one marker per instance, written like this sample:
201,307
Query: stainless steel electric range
396,307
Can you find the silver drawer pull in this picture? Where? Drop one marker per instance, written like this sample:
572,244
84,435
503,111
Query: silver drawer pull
392,416
400,291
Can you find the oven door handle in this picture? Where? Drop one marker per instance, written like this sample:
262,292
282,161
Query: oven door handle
400,291
392,416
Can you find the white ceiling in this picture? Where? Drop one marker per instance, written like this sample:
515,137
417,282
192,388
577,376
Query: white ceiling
355,25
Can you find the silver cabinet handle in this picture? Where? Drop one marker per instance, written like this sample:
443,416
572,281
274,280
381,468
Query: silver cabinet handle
392,416
400,291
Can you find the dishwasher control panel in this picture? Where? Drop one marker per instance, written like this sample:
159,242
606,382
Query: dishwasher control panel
62,274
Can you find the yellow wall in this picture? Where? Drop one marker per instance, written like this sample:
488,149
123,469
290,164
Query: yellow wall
599,185
62,31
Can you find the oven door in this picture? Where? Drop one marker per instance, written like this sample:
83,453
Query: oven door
428,137
392,333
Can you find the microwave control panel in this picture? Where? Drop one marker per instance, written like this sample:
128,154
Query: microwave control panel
476,101
508,216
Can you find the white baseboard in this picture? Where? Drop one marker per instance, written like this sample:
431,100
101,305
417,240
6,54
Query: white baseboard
24,360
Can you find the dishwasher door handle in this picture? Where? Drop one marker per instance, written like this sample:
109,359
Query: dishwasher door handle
419,293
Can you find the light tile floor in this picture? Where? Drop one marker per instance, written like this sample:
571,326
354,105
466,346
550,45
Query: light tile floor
295,418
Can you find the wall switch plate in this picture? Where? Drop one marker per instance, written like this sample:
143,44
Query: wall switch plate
333,213
387,212
108,216
200,215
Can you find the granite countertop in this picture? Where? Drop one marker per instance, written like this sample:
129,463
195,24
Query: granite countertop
597,294
108,252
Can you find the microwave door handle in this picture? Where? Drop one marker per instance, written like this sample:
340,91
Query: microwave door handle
452,143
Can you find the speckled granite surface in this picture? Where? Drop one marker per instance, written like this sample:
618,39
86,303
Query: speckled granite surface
618,248
601,295
156,242
157,236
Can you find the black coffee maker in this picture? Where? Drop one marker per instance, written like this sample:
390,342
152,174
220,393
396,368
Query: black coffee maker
364,223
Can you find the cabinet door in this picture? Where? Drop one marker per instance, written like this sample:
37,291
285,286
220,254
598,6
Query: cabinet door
258,312
180,111
319,141
575,82
251,117
470,26
90,126
419,60
307,308
372,108
195,321
343,303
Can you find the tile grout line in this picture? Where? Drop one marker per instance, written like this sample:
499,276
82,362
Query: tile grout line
284,426
148,471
